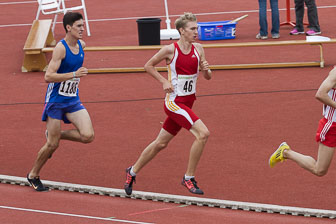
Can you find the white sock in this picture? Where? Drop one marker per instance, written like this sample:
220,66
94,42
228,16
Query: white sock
132,172
188,177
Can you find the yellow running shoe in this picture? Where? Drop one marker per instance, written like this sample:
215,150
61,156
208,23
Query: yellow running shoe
277,156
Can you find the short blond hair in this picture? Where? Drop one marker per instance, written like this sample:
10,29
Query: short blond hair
184,19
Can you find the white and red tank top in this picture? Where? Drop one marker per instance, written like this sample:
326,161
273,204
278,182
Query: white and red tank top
183,73
328,111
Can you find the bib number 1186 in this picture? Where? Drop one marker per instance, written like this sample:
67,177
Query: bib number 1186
69,87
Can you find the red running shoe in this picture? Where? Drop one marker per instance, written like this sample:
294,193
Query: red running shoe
129,181
192,186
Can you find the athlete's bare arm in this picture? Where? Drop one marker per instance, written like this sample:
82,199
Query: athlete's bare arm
82,43
327,84
204,65
58,55
166,53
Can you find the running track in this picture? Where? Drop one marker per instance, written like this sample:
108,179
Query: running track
243,134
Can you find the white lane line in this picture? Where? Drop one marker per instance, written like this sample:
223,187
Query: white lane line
178,199
72,215
16,3
134,18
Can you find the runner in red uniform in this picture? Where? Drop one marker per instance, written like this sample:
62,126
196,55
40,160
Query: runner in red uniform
325,135
183,58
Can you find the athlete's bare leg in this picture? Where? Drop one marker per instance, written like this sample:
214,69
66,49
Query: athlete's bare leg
84,130
84,133
54,135
153,149
319,167
201,132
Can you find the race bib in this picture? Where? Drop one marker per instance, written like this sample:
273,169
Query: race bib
69,87
186,84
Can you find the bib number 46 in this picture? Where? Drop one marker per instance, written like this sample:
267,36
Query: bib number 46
188,86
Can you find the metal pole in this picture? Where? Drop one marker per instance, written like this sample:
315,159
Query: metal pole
167,16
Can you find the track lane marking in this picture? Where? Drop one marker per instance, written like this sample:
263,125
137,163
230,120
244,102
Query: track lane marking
179,199
156,16
71,215
157,210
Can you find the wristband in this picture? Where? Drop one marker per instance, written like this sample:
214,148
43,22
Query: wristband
74,74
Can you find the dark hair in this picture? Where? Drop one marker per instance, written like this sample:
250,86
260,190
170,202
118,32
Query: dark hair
70,18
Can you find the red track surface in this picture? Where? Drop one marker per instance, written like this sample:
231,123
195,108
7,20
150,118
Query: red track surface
123,209
248,112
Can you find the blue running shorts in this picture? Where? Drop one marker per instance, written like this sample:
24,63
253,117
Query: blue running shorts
58,110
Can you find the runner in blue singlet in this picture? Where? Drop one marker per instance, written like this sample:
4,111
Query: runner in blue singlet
62,101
